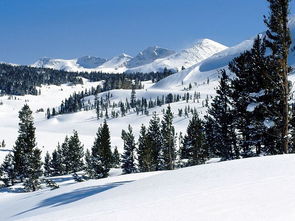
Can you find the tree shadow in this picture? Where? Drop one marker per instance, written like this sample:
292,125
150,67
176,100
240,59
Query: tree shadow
73,196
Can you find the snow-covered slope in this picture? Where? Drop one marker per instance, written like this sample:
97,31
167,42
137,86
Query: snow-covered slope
201,50
245,190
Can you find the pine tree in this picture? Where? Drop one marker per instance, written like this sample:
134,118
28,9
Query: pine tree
27,157
222,117
75,154
144,152
101,155
32,182
133,97
56,162
249,98
47,164
128,164
7,168
168,153
279,41
155,141
194,145
65,158
116,158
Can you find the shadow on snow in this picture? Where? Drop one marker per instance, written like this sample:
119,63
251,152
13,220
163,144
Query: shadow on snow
73,196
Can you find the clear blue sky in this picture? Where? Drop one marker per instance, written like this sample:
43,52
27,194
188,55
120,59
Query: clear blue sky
31,29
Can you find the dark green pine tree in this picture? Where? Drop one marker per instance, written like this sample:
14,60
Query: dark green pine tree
56,162
75,154
278,41
168,152
101,154
65,158
133,97
154,141
8,173
27,161
128,158
47,165
116,158
194,143
249,98
222,116
32,182
144,152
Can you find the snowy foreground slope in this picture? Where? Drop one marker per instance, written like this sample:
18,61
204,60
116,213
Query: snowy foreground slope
245,190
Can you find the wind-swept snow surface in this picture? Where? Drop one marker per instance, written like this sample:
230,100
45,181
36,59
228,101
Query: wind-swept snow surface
244,190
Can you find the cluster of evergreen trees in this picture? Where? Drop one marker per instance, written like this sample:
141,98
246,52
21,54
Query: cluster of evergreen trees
21,80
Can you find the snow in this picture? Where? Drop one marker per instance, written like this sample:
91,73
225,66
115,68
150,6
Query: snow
152,59
251,107
244,190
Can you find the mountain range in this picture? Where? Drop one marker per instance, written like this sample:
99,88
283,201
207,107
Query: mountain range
151,59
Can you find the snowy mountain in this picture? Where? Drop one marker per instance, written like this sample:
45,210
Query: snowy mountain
200,50
151,59
90,61
116,64
149,55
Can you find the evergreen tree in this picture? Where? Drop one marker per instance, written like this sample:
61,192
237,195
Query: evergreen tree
278,41
32,182
47,164
249,97
101,155
155,141
144,152
75,154
56,163
128,164
168,141
7,168
222,116
27,157
116,158
133,97
194,145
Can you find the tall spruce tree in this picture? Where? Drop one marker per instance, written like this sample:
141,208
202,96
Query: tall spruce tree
47,165
26,155
222,117
101,158
194,144
168,152
279,41
249,98
133,97
154,137
128,157
75,154
56,163
144,152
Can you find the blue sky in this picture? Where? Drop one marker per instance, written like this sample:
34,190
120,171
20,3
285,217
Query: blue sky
31,29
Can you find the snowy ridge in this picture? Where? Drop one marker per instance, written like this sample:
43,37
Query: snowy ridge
152,59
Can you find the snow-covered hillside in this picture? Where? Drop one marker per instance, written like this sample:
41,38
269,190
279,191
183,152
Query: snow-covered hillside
243,190
152,59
